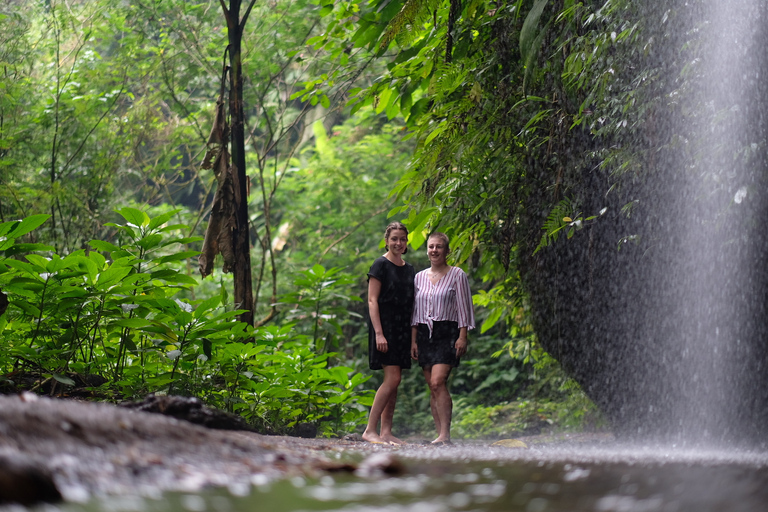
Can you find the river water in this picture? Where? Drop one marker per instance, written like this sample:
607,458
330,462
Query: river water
604,477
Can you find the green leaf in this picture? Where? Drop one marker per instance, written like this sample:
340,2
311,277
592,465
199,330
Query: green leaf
162,219
27,308
26,225
24,266
417,225
132,323
382,100
491,320
205,306
135,217
208,348
183,255
150,241
531,36
103,246
185,240
112,275
24,248
40,262
63,379
171,276
437,131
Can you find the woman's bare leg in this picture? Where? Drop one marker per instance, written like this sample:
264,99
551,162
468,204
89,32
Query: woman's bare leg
443,405
386,421
432,403
386,392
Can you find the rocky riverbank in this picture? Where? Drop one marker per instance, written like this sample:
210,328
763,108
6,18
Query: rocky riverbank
53,450
70,450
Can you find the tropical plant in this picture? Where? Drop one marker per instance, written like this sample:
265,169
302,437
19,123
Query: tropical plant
114,322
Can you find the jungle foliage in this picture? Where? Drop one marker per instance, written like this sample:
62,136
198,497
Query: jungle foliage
530,118
548,137
113,320
106,111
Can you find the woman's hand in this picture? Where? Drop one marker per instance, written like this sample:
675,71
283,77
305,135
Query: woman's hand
381,343
414,350
461,347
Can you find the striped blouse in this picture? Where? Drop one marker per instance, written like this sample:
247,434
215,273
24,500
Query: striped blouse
449,299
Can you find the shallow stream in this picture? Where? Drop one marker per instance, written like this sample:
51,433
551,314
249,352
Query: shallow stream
604,478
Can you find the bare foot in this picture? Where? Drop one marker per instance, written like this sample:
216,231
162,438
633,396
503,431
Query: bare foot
389,438
441,442
373,437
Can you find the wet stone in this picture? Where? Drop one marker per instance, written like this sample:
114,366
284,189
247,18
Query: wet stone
26,481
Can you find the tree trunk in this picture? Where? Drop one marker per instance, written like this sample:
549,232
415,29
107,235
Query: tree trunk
243,293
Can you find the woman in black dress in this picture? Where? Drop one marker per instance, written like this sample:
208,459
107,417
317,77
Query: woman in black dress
390,305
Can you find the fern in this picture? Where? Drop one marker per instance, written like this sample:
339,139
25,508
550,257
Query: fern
413,13
558,218
448,78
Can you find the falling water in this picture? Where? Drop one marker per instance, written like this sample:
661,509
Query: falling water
668,334
713,293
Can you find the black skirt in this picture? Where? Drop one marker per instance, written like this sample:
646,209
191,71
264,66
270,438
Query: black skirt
441,347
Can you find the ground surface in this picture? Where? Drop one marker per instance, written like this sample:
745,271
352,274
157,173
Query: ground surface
55,449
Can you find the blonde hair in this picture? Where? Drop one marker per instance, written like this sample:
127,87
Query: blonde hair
392,226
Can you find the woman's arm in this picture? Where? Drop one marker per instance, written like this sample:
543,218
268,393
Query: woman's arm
374,288
466,313
461,343
414,345
464,302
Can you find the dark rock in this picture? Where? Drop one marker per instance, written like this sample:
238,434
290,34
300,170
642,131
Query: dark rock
304,430
381,464
336,467
190,409
22,481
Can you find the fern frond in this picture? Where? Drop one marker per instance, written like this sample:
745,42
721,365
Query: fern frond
557,219
403,25
448,78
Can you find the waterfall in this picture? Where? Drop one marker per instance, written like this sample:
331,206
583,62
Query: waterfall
713,298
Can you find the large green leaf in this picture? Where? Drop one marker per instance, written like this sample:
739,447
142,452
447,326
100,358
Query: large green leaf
112,275
26,225
161,219
25,248
531,36
134,216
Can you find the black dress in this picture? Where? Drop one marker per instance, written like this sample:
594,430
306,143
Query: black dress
395,308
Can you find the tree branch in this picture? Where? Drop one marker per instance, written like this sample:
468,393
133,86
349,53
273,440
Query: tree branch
247,13
348,233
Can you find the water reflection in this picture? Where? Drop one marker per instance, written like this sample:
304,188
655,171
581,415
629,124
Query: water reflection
629,479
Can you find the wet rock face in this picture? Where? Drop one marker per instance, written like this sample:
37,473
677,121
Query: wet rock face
661,315
74,450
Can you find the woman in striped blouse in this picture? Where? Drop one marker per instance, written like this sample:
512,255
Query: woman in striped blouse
442,315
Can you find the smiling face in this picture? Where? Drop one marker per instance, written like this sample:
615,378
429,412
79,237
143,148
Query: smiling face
437,250
397,241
